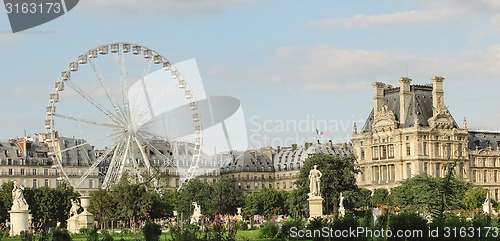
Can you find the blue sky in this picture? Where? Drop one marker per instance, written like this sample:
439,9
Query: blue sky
287,61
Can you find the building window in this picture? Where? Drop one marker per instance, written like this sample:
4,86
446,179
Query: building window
384,152
278,185
22,172
485,177
256,185
448,149
239,185
436,149
424,148
459,149
45,172
33,172
408,150
384,173
408,170
177,182
11,172
391,151
393,173
248,185
407,138
270,185
375,152
362,153
263,185
46,182
473,176
438,170
496,194
91,183
284,185
362,174
425,168
375,173
35,183
495,179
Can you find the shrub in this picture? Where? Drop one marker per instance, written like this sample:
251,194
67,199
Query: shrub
107,237
317,224
285,231
92,234
269,230
185,233
408,221
242,225
151,231
61,235
26,236
43,235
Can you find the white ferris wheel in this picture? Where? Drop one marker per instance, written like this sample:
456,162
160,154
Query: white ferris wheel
112,110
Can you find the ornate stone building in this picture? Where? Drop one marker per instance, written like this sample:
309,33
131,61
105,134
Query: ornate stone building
274,168
410,131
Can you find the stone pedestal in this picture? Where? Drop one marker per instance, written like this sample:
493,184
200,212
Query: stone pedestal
315,206
83,220
341,212
73,224
240,218
19,221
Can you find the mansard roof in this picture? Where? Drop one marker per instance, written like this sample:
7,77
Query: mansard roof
481,139
420,107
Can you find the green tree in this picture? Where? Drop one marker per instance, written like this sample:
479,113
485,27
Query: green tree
474,198
358,199
102,205
427,194
338,176
226,197
133,201
195,191
163,204
380,196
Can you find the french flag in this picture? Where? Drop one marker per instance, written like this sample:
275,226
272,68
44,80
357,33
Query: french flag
319,132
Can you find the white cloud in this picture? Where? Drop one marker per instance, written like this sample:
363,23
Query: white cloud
328,69
169,7
400,18
432,12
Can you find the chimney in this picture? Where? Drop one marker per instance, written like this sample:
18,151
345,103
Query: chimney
294,147
307,145
378,96
330,144
404,98
279,149
437,94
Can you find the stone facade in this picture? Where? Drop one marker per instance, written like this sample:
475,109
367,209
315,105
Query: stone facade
410,131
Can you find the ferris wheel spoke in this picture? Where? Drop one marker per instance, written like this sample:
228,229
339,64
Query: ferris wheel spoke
106,88
141,115
124,85
144,154
144,79
96,104
86,121
94,165
89,142
110,172
164,158
124,159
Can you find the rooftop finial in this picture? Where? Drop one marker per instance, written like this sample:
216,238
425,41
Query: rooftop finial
355,129
465,123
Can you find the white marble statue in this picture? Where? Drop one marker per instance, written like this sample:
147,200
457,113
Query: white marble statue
197,209
341,203
74,208
18,201
314,182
